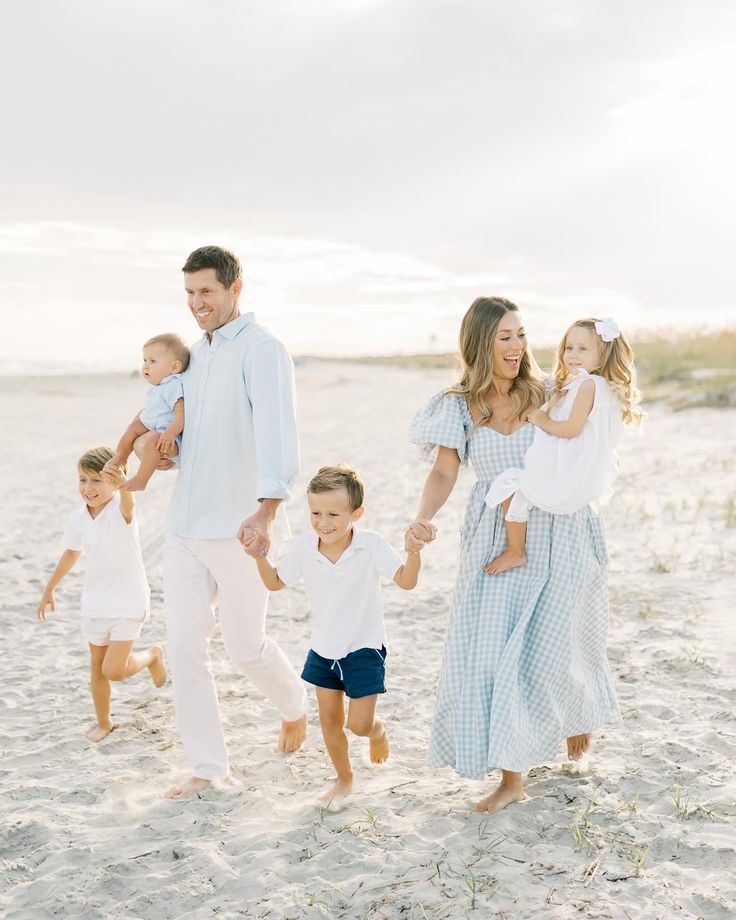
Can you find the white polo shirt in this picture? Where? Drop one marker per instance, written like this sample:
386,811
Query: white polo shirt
346,597
115,582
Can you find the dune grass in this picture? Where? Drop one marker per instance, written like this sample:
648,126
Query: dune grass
690,370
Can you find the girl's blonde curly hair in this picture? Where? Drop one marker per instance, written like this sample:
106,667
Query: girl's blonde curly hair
616,365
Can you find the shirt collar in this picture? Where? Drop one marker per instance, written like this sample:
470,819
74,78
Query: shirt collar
235,327
358,542
111,506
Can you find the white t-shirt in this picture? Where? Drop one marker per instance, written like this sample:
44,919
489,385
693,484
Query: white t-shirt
346,597
115,582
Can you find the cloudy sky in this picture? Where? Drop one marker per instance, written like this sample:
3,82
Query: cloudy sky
376,164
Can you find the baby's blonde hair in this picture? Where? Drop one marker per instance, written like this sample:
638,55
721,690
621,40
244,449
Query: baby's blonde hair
341,476
174,343
95,459
616,365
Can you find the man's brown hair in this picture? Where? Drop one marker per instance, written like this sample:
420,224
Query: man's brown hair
175,344
225,263
340,476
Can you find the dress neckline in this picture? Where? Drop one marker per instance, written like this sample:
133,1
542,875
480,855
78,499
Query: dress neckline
489,427
500,433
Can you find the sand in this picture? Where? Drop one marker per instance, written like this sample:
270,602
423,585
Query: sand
646,829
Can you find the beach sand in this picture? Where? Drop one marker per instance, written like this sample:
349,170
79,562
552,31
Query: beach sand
646,829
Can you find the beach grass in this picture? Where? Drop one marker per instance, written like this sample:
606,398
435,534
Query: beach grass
686,370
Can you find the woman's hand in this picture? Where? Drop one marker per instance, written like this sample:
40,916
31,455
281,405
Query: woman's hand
48,600
537,417
418,534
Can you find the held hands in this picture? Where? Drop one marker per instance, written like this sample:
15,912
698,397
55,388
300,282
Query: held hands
113,474
48,600
418,534
537,417
255,535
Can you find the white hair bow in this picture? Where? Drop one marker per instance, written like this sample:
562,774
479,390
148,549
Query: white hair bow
608,329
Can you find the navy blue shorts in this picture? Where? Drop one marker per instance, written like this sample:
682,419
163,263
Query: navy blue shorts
360,673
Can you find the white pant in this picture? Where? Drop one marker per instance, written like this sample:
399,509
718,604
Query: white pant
196,572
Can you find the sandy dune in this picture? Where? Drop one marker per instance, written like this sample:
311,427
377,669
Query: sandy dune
646,830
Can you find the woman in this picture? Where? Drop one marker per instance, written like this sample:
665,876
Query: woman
524,663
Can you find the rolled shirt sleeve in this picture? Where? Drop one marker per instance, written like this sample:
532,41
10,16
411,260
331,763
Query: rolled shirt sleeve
269,378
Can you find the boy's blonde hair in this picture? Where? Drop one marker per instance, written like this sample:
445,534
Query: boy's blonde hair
95,459
175,344
341,476
616,365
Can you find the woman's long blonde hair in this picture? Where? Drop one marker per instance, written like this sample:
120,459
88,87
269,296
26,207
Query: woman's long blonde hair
616,366
477,336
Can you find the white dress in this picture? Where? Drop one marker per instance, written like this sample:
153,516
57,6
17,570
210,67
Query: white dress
563,475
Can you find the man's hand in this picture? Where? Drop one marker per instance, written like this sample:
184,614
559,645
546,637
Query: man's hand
255,534
113,474
48,600
113,466
166,442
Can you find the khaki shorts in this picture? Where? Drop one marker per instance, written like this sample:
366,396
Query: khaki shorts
104,630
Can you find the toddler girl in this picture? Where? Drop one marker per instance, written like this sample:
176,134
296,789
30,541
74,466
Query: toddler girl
572,459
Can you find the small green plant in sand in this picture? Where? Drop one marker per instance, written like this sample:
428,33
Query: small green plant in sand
635,856
584,833
477,883
663,563
683,809
729,511
632,806
645,611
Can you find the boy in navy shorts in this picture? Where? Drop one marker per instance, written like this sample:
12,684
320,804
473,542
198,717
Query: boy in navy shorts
342,569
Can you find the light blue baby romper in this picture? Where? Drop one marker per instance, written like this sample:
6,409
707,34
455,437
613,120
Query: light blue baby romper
524,661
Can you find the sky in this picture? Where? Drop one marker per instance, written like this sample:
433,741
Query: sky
376,164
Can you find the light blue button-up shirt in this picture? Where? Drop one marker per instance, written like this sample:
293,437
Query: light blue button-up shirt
240,440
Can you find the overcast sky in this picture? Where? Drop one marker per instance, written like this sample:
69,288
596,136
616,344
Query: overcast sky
376,164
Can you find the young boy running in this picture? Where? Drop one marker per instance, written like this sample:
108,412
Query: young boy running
115,597
342,567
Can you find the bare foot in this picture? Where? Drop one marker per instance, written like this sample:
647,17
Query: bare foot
337,792
99,732
507,560
157,666
578,745
292,735
134,484
379,747
188,790
503,796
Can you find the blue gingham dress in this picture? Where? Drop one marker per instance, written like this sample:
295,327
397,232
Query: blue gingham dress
524,662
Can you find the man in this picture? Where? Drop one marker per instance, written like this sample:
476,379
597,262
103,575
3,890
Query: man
239,461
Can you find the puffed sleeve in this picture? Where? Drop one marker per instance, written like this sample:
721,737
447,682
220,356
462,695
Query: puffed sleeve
443,422
173,390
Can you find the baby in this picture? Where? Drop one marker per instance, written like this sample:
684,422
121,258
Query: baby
342,567
153,432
